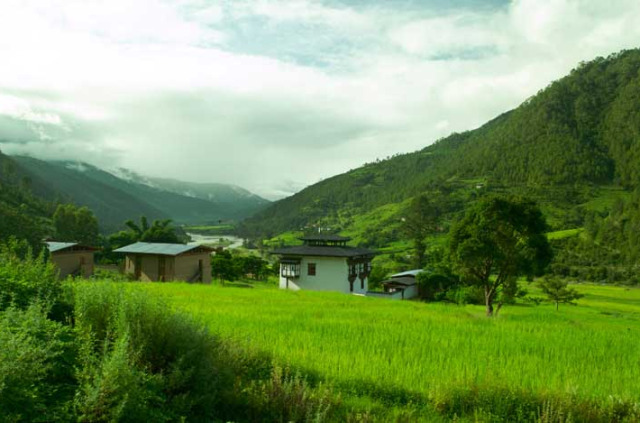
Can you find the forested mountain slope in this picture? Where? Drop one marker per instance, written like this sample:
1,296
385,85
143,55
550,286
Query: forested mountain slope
579,134
21,214
115,199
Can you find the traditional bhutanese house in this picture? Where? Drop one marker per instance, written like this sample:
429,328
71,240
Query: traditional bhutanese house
71,259
325,263
403,285
157,262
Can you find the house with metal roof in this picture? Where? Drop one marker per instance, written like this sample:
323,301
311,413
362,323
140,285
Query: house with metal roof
71,259
402,286
161,262
325,263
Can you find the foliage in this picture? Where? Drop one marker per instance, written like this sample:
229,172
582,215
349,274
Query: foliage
420,221
287,397
25,279
157,231
229,266
557,291
36,366
498,240
75,224
162,364
21,214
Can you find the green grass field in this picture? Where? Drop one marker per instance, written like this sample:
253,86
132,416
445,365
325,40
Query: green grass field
384,355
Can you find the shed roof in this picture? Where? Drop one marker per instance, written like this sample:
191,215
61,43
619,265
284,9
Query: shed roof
411,273
55,246
159,248
323,251
399,282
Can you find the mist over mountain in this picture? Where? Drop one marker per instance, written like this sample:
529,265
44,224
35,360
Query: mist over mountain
115,196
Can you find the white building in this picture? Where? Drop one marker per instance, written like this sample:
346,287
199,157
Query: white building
402,286
325,263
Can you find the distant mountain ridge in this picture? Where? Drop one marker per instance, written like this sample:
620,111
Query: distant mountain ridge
116,196
579,133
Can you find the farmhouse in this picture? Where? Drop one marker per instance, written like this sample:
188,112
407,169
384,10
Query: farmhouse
71,259
325,263
402,285
167,262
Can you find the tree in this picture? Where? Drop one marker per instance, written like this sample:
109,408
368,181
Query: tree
498,240
75,224
158,231
421,220
557,291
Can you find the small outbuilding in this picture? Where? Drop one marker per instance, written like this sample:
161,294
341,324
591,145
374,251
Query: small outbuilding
401,286
325,263
158,262
72,259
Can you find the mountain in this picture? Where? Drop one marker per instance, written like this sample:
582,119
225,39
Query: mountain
574,144
117,196
242,201
21,213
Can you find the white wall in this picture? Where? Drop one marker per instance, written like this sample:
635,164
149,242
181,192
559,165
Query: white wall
331,275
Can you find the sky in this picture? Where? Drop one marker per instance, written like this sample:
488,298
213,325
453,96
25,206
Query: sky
275,95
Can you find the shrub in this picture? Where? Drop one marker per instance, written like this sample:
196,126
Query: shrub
37,358
172,363
25,279
287,397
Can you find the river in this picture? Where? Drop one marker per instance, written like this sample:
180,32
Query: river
198,239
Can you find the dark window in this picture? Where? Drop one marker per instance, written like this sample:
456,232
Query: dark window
311,269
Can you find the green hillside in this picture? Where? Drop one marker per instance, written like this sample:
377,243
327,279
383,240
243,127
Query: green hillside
578,134
574,148
21,213
115,199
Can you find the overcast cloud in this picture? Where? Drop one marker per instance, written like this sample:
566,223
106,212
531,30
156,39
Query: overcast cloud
276,95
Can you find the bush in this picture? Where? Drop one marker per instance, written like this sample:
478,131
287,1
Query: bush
25,279
172,363
287,397
37,358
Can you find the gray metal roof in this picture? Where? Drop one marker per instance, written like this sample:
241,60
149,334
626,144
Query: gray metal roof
59,246
157,248
323,251
402,282
413,273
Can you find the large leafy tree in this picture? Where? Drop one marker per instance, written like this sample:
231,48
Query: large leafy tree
421,220
498,240
76,224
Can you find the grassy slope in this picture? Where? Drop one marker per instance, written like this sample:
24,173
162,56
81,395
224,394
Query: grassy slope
381,350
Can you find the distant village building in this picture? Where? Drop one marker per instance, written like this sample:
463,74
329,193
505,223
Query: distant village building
156,262
72,259
325,263
403,285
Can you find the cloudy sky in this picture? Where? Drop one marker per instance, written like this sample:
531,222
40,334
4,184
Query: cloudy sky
274,95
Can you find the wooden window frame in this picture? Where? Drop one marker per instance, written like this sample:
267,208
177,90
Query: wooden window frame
312,269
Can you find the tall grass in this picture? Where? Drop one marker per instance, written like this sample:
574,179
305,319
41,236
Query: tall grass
532,362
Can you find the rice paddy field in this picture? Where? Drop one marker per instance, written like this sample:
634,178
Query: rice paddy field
413,361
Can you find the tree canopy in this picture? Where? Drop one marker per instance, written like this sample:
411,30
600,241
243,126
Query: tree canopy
498,240
75,224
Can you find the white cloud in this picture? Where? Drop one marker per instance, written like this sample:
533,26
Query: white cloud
277,94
